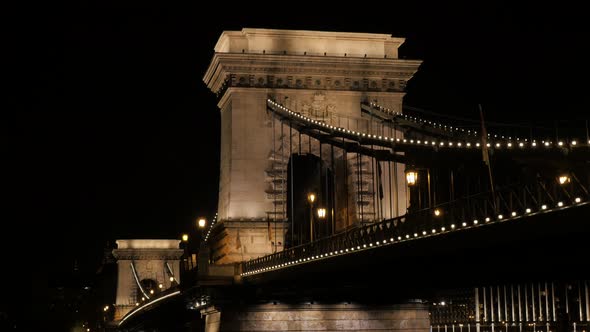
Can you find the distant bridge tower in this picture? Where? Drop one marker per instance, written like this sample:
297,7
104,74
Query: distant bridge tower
323,75
144,265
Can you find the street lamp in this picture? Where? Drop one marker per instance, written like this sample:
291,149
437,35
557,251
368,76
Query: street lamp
202,222
411,176
563,179
321,213
184,237
437,212
311,198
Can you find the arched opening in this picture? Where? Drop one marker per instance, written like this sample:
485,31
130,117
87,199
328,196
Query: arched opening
308,174
150,287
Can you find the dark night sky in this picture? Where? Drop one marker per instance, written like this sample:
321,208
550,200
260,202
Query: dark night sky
123,138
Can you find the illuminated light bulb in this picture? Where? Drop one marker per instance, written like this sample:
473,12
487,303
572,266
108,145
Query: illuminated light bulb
543,207
563,179
171,279
560,143
385,241
407,236
452,226
497,145
546,143
487,219
391,240
399,237
423,232
578,199
477,144
574,142
415,234
500,216
468,144
376,243
509,145
534,144
560,204
458,144
437,212
364,245
513,214
521,144
464,224
433,231
488,145
475,222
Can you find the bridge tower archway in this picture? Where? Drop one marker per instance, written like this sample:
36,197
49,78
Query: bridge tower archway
144,265
322,75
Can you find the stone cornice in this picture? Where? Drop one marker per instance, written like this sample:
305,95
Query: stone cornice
309,72
248,224
142,254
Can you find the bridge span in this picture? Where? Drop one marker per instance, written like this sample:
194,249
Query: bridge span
341,209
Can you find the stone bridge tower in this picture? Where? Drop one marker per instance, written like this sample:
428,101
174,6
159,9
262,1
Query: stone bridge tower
145,268
324,75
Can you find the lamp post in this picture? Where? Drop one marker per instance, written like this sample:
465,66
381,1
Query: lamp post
185,254
411,176
412,181
311,198
321,216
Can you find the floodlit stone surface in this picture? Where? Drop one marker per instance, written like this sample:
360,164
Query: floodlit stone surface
149,258
318,317
289,66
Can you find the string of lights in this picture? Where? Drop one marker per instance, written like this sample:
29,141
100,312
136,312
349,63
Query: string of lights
451,128
453,227
211,227
509,145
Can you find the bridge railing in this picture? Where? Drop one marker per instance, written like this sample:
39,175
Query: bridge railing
512,327
501,205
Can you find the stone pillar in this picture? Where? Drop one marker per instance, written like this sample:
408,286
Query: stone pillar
149,258
318,317
323,75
